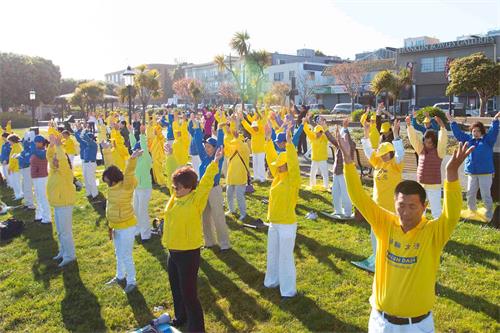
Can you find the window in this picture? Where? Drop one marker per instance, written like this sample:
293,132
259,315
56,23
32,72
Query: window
278,76
439,64
312,76
427,65
291,74
281,61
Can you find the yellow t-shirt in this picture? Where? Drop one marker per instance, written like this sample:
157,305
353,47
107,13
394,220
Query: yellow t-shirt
319,146
406,263
387,176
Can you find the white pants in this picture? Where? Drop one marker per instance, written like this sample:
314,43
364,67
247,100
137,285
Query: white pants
280,261
63,217
196,162
42,204
378,324
483,183
5,172
27,186
240,197
15,179
341,201
434,197
141,204
89,178
259,167
71,159
123,240
323,168
214,218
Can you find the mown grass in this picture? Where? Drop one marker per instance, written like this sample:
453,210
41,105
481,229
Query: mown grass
36,296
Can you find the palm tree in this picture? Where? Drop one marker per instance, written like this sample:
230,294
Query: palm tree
239,43
400,82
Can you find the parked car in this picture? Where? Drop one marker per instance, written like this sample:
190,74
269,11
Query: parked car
456,108
345,108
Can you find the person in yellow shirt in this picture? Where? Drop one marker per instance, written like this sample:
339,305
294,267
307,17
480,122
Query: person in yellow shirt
61,194
8,127
410,246
182,140
183,237
257,142
374,134
431,149
237,174
13,169
283,196
69,146
158,154
319,156
120,151
121,219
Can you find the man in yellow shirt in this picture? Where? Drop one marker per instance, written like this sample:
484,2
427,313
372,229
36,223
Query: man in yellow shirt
409,247
319,156
257,142
68,146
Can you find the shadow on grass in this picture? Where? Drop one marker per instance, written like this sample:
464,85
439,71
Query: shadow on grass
473,303
242,306
155,247
139,307
301,306
476,253
99,206
162,189
311,196
80,310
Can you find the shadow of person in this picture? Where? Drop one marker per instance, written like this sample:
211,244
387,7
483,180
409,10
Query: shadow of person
155,247
99,205
242,306
476,253
473,303
301,307
80,310
142,313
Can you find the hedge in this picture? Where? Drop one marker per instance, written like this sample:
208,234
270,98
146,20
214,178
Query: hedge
18,120
433,111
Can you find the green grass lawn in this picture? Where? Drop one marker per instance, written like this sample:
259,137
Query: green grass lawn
36,296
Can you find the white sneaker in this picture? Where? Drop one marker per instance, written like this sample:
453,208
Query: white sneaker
229,213
66,262
58,257
114,281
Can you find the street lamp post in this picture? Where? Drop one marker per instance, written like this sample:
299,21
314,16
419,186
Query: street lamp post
128,76
32,100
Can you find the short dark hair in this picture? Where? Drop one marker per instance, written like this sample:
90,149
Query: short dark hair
409,187
479,125
124,122
186,177
5,135
13,137
431,134
113,174
66,132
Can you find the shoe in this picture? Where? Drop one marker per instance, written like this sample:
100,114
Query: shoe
129,287
45,222
286,298
229,213
65,262
226,249
30,207
145,241
177,323
58,257
311,216
114,281
242,217
37,220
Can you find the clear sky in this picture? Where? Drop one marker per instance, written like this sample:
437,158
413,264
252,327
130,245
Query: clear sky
89,38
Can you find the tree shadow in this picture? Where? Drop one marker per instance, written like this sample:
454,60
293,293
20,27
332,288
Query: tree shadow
301,306
476,253
140,308
473,303
155,247
80,310
242,306
209,304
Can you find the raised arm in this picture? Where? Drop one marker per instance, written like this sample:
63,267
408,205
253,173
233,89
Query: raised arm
129,180
207,181
491,136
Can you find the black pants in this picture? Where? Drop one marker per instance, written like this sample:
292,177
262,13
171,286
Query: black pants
302,149
183,275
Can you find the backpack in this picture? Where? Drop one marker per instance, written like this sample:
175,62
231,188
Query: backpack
10,229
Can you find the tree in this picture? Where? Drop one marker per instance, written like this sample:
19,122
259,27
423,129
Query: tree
147,85
19,74
475,73
305,86
391,83
278,93
188,89
195,91
318,53
350,75
122,93
228,92
69,85
87,95
382,82
178,72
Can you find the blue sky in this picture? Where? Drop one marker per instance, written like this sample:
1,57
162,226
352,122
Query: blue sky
89,38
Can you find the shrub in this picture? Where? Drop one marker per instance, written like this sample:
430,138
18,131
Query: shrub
18,120
433,111
356,115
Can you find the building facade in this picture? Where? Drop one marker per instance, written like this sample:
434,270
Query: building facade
428,63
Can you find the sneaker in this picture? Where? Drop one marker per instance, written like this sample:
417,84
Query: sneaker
129,287
45,222
66,262
37,220
58,257
229,213
114,281
311,216
242,217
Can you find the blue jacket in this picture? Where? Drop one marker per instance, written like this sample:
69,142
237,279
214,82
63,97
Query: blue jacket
204,157
480,161
422,128
82,143
193,149
4,156
168,125
25,155
90,152
40,153
295,138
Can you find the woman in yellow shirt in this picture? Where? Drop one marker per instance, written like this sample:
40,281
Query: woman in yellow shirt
61,194
183,237
69,146
121,219
319,156
257,143
13,169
